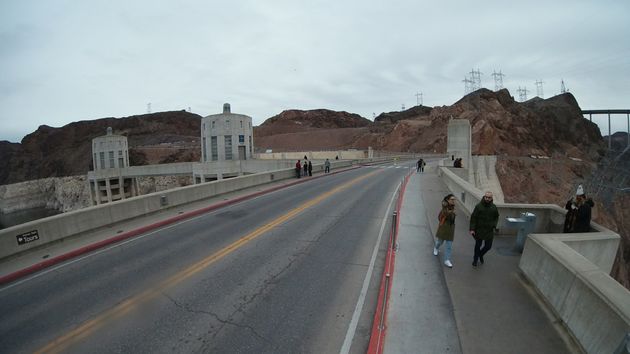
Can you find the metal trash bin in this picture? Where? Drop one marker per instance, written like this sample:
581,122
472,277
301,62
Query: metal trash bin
526,225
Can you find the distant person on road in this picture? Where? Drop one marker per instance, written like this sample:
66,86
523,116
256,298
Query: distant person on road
483,224
310,168
305,168
337,157
298,168
578,217
420,165
327,166
446,229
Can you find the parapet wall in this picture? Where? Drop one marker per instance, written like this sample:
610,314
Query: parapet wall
570,271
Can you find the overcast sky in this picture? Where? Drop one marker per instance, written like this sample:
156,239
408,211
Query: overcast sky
66,61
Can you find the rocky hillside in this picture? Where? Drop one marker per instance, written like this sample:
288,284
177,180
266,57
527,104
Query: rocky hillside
56,152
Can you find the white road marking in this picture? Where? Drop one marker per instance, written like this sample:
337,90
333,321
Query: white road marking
352,328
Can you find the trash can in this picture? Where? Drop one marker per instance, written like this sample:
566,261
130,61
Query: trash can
525,225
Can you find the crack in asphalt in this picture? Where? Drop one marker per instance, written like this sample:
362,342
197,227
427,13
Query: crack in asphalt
224,322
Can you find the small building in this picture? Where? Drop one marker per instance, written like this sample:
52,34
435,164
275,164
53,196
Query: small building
110,154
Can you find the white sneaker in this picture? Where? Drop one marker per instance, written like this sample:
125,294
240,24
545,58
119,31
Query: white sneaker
435,251
448,263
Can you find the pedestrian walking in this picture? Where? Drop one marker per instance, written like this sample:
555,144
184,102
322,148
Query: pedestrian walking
446,229
483,224
298,169
310,168
327,166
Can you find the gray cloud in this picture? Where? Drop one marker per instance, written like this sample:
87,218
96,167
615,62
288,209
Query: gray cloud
69,61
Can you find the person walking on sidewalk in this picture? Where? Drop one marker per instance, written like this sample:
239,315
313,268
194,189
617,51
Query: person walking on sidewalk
327,166
310,168
446,229
483,223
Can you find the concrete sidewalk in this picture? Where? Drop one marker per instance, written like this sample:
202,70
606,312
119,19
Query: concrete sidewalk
435,309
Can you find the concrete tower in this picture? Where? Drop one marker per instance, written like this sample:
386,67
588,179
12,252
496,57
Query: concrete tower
110,155
226,136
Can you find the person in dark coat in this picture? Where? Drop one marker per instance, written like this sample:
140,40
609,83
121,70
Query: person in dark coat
310,168
298,168
483,223
578,217
446,229
305,168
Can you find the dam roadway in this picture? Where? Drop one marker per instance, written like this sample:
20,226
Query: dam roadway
295,270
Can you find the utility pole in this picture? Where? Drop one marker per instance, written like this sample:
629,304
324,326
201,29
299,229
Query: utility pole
498,80
419,98
539,89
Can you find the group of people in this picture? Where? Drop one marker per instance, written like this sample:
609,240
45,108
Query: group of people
307,167
483,225
484,220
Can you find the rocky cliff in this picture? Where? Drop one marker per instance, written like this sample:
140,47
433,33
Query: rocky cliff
66,151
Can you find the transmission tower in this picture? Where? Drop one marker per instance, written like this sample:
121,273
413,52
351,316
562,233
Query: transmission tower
419,98
522,93
563,88
403,107
498,80
475,76
149,107
539,89
467,85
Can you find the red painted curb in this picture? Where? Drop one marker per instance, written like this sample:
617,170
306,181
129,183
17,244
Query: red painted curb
129,234
377,336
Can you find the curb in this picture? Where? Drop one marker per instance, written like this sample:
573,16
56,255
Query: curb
379,324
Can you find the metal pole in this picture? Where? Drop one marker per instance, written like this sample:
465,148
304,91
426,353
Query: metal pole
609,135
628,118
590,117
394,222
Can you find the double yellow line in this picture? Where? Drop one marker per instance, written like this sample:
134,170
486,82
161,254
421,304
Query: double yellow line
120,310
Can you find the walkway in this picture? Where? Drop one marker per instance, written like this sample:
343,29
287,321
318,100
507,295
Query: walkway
434,309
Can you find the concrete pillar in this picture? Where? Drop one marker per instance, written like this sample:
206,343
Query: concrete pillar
121,190
108,188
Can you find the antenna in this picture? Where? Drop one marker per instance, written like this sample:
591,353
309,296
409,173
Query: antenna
498,80
539,89
419,98
563,88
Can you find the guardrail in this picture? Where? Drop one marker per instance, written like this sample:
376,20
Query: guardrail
569,271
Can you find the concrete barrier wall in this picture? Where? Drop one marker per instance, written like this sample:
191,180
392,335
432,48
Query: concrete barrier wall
58,227
569,271
592,306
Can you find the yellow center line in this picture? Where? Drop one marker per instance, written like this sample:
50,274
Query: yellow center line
125,307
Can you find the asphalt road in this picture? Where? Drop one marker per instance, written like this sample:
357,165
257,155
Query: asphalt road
279,273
